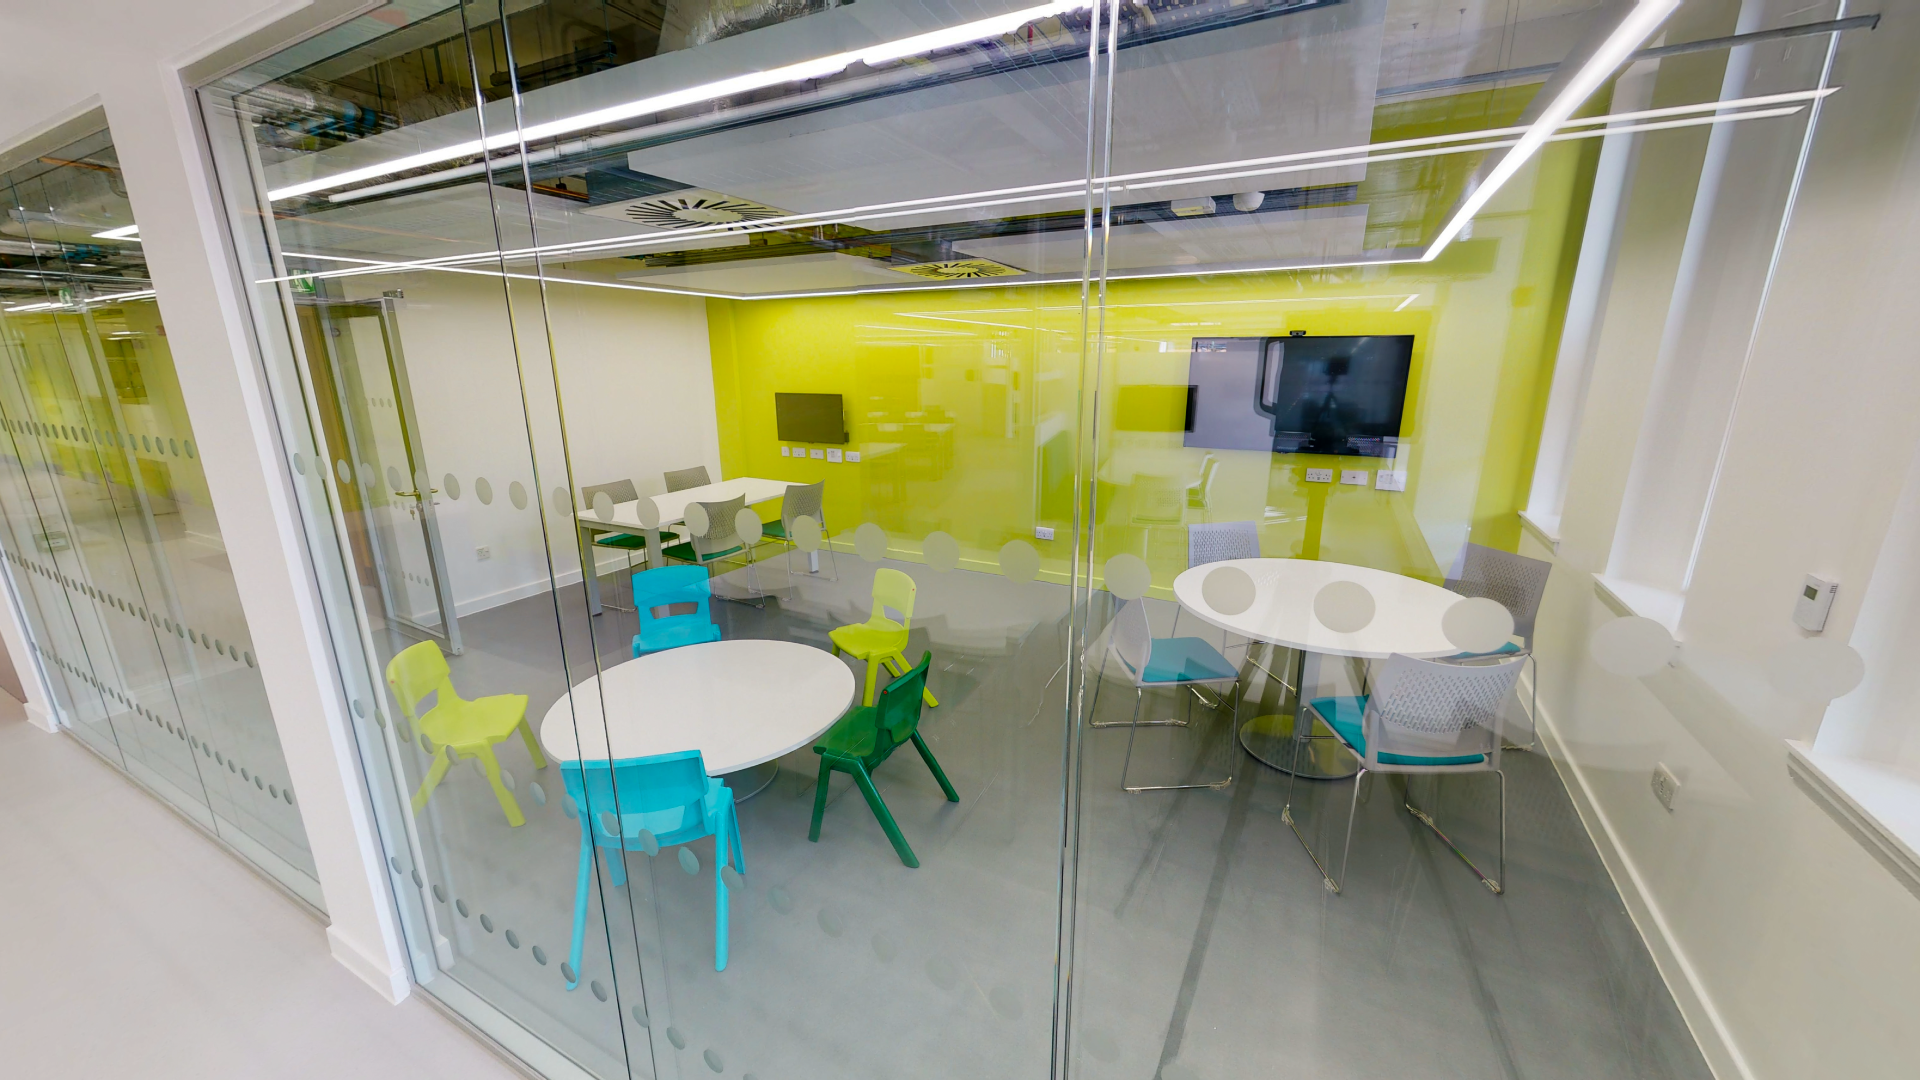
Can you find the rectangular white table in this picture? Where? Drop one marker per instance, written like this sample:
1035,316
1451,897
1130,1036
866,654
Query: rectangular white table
672,507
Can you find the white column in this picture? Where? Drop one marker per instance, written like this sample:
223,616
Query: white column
170,182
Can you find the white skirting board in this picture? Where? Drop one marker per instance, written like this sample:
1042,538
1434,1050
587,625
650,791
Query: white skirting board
1703,1018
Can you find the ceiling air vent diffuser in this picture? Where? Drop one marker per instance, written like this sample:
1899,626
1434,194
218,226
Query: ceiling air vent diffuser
688,209
962,268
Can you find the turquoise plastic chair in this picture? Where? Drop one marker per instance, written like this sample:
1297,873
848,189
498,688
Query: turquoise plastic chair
658,590
646,804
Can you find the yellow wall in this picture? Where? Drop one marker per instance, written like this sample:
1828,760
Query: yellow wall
999,369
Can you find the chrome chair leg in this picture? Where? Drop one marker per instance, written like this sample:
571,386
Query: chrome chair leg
1286,811
1492,883
1232,728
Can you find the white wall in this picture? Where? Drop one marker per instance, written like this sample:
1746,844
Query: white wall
64,60
636,382
1791,949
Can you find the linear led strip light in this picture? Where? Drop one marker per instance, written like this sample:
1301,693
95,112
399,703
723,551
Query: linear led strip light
124,232
1635,27
1662,119
52,305
873,55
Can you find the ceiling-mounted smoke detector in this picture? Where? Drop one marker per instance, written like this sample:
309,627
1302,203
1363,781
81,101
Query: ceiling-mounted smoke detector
960,268
1248,201
689,208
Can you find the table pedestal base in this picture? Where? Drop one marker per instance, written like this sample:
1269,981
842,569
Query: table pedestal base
1269,739
752,780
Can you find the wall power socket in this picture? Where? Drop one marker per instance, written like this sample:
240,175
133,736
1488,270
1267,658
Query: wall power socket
1043,532
1665,786
483,552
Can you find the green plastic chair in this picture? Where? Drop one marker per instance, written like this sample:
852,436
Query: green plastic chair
457,728
867,735
880,640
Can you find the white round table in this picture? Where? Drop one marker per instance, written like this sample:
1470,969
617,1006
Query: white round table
1406,620
740,703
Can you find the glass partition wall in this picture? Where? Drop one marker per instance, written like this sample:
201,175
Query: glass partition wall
723,378
111,545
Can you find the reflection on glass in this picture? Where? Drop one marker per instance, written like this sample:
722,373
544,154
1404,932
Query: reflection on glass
991,298
110,538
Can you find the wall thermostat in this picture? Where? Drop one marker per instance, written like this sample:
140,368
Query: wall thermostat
1815,600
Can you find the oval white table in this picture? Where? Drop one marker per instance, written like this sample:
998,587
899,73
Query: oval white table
740,703
1406,620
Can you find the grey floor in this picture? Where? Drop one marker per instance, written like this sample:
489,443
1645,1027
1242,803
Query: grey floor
137,948
1204,941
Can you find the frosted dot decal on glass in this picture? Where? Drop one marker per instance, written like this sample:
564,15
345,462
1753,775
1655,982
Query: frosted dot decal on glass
806,533
1633,645
1477,625
1816,669
748,525
451,485
603,506
870,542
689,861
562,501
1128,576
1344,607
395,481
943,973
696,519
714,1061
341,469
831,922
299,464
1019,561
941,551
483,490
599,991
780,900
517,495
647,512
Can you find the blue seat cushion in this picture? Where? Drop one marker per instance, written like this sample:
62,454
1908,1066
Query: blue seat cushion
671,634
1508,648
1185,660
1343,714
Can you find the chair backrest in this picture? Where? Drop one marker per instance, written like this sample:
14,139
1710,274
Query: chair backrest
721,535
641,785
1439,708
897,709
620,491
1159,499
803,500
1220,541
1516,581
666,586
893,589
1203,490
417,671
1132,638
682,479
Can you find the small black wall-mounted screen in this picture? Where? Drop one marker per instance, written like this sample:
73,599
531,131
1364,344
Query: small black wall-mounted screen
810,418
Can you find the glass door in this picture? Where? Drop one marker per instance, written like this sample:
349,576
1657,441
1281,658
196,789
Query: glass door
371,405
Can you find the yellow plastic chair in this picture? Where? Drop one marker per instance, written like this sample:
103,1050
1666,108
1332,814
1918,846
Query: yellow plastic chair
880,640
456,727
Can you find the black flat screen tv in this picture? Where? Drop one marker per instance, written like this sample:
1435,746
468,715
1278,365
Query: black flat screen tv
810,418
1299,395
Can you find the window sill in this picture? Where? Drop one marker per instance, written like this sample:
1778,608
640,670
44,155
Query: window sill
1878,804
1544,529
1633,598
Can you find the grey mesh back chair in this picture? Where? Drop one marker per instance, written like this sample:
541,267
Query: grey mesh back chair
1516,581
620,491
1518,584
804,500
1424,716
1135,656
1222,540
1219,542
682,479
721,537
